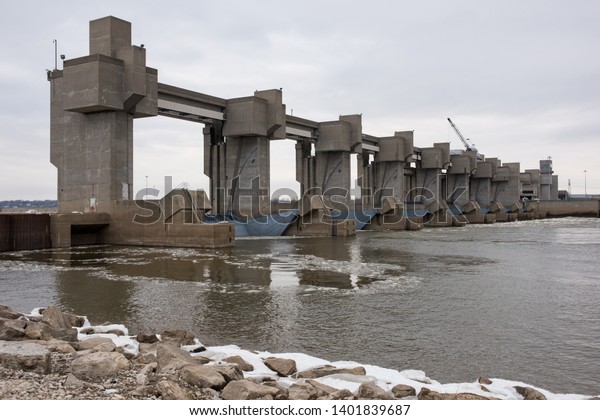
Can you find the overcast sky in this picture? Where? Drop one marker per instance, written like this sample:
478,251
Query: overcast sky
521,79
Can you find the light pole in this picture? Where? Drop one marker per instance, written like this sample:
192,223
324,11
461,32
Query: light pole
585,182
55,42
146,192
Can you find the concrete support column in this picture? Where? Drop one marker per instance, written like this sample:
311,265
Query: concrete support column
332,154
510,195
365,180
305,172
214,166
251,123
459,180
554,189
481,191
458,190
481,183
389,168
431,183
430,179
546,180
106,158
247,176
333,179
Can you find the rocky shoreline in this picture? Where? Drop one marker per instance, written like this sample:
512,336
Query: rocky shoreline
52,355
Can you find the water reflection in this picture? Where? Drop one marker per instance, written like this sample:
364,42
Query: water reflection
82,288
237,306
326,263
86,293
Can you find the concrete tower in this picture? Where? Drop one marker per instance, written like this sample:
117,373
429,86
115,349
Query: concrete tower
93,103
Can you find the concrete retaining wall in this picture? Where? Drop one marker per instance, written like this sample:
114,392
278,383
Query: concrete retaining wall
564,208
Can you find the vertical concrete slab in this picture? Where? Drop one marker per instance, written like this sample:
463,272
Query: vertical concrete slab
365,179
248,176
214,166
332,154
481,184
305,173
459,179
109,34
431,184
546,179
389,166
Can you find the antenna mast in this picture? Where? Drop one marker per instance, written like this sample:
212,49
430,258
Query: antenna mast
55,54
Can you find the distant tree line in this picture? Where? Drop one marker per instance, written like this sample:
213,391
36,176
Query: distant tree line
12,204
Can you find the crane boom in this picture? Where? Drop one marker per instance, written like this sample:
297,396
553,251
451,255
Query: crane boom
461,137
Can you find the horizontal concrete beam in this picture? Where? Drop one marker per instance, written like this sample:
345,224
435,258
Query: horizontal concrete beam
170,108
370,147
298,132
196,97
185,104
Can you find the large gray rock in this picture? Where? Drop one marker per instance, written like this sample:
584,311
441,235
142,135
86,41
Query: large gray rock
146,348
54,317
342,394
75,320
58,346
8,312
229,372
142,377
99,365
238,360
283,367
144,391
97,344
302,391
146,337
247,390
329,370
322,389
178,337
402,391
73,381
144,359
202,376
43,331
283,393
170,358
18,323
12,329
170,390
530,393
64,348
25,356
427,394
38,331
370,391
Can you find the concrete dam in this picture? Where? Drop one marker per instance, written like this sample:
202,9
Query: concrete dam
95,100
